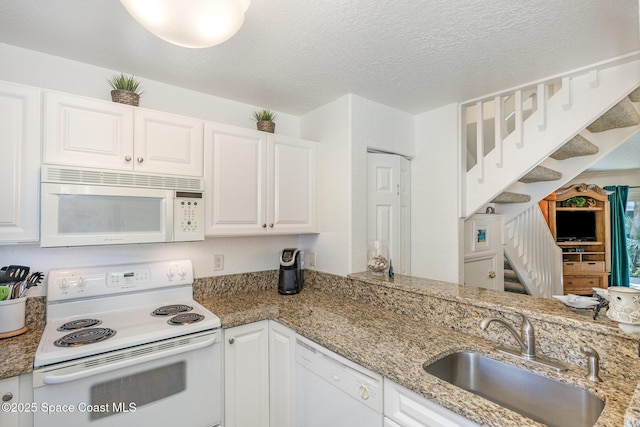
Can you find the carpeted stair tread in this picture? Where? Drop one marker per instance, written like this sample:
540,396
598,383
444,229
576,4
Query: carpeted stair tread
575,147
510,276
540,173
516,288
508,197
635,95
621,115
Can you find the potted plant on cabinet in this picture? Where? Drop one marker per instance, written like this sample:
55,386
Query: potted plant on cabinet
126,89
264,120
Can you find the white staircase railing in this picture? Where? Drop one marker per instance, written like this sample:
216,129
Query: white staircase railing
533,253
504,135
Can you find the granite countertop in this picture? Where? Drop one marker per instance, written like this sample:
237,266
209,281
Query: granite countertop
393,344
396,346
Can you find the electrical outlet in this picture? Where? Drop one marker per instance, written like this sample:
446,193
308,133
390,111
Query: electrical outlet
218,262
311,258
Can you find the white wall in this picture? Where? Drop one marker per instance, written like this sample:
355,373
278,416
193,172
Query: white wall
330,125
241,254
436,238
52,72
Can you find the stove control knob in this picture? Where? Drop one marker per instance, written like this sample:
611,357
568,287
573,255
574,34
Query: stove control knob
170,275
64,285
182,273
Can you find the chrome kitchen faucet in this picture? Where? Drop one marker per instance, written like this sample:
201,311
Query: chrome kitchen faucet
527,341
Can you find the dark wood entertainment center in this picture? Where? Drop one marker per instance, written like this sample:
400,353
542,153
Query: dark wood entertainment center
586,255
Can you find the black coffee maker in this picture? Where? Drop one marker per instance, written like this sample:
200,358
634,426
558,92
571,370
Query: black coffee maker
291,277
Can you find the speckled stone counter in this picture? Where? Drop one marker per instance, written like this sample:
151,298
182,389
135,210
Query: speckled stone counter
17,353
396,345
395,327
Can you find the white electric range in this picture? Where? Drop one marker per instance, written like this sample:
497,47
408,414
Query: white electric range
127,344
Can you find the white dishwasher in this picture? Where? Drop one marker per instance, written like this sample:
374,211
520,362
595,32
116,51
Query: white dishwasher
332,391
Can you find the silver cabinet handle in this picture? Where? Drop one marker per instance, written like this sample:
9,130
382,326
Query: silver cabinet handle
231,340
140,159
264,225
492,274
271,225
127,158
7,397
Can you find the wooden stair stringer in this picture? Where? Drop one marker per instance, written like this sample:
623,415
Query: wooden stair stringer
587,104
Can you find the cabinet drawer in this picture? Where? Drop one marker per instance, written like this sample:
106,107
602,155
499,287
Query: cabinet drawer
571,267
582,285
593,266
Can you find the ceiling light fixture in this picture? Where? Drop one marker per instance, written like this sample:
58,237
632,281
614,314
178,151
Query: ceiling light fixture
192,23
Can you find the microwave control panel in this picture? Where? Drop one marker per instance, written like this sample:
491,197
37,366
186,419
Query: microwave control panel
188,216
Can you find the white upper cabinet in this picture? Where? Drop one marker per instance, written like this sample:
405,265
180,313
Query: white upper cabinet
168,144
258,183
88,132
19,163
292,185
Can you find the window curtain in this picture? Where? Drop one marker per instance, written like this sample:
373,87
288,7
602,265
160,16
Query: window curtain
619,258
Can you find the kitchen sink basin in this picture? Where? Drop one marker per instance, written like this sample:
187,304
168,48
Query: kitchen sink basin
532,395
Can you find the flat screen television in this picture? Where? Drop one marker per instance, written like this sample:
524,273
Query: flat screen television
575,226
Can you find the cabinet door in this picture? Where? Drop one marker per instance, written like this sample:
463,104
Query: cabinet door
9,393
87,132
409,409
168,144
292,189
484,272
19,163
235,181
246,375
282,359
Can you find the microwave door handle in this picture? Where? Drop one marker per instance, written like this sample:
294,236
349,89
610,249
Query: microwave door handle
60,379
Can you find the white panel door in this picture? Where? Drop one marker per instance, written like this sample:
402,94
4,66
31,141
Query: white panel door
19,163
482,273
292,185
235,181
87,132
246,375
389,206
168,144
282,362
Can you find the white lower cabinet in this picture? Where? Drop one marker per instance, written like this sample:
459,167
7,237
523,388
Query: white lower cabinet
405,408
259,360
246,375
282,359
16,397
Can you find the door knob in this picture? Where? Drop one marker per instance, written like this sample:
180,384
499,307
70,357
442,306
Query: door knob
231,340
127,158
492,274
140,159
7,397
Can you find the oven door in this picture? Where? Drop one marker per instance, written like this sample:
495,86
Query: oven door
170,383
78,215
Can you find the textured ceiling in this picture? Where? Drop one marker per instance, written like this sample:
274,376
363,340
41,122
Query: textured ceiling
294,56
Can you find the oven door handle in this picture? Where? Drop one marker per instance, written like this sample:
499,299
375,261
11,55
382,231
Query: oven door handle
65,378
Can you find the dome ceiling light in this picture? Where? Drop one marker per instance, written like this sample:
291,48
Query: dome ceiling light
192,23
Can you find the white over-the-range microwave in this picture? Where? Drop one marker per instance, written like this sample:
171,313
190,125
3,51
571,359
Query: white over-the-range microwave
82,207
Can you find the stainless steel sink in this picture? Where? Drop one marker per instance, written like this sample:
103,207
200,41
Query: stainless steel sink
532,395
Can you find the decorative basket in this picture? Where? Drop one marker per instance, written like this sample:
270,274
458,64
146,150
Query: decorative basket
125,97
266,126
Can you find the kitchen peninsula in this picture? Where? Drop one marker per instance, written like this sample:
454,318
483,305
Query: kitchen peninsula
393,327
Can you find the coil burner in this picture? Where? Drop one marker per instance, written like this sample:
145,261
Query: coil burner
170,310
84,337
78,324
185,319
